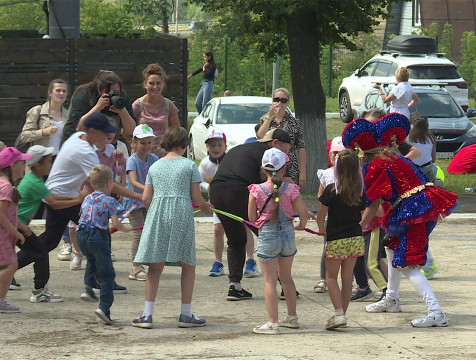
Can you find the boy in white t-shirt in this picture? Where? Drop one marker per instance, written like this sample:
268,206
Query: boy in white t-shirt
70,170
216,147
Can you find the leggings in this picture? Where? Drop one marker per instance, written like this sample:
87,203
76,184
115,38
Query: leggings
373,258
137,219
418,280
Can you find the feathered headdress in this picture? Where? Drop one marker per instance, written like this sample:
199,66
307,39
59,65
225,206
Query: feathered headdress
367,135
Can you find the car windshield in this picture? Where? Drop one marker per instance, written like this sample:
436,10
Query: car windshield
241,113
433,72
437,106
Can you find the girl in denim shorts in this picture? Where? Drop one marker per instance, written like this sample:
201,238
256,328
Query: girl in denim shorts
344,243
271,206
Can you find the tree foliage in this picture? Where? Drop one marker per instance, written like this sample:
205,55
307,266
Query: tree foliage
25,16
299,29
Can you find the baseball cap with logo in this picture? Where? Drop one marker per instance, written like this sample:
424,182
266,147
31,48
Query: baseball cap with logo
10,155
37,152
142,131
215,134
274,159
276,134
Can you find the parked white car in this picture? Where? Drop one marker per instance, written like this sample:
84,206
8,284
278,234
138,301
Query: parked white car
236,116
424,68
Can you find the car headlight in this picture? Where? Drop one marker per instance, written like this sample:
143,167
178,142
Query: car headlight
471,132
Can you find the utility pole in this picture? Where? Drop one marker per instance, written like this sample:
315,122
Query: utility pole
64,19
176,16
275,74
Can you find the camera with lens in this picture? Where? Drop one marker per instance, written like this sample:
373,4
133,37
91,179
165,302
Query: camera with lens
116,99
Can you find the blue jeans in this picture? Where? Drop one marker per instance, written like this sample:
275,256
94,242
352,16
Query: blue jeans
94,244
204,95
276,239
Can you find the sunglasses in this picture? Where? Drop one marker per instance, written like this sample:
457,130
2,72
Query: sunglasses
283,100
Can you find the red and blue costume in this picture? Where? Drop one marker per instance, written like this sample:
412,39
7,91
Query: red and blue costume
415,204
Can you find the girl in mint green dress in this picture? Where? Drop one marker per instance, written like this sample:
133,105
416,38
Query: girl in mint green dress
169,234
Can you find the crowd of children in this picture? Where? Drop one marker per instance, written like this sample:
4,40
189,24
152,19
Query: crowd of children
363,194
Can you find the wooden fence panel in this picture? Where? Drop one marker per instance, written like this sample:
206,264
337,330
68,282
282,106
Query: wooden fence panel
28,65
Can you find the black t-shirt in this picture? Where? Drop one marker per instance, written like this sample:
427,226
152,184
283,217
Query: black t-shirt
342,220
242,164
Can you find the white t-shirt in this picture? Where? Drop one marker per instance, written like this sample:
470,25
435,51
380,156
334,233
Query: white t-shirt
72,166
404,94
426,151
207,170
54,140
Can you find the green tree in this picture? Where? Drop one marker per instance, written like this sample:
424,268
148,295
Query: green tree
299,28
446,43
29,16
468,57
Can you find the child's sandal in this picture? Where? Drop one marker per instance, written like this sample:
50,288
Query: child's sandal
320,287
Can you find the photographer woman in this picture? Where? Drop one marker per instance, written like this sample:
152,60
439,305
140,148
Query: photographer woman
95,97
153,108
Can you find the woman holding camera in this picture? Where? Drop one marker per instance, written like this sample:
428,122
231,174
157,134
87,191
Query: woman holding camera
105,95
278,118
153,108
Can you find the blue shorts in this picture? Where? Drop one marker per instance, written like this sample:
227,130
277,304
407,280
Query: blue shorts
276,240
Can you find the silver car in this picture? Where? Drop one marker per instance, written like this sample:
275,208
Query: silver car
448,122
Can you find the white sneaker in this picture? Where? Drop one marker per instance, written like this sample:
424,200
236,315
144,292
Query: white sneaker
384,305
430,320
290,322
113,257
44,295
65,252
76,262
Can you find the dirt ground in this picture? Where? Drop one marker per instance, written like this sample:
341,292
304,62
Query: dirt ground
71,330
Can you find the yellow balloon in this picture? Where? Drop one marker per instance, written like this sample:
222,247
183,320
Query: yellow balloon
440,173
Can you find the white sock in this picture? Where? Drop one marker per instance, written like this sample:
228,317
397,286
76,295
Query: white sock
237,285
148,308
186,309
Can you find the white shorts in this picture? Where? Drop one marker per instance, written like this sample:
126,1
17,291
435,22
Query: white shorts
216,220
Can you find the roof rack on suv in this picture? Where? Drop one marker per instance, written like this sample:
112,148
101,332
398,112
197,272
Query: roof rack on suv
400,53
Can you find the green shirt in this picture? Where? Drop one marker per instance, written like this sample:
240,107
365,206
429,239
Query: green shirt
32,190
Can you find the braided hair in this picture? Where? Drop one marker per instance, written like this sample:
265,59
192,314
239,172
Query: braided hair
16,197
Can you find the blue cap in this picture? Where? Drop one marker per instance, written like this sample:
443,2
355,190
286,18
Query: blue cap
100,122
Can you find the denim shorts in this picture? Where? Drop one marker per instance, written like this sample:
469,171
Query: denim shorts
276,240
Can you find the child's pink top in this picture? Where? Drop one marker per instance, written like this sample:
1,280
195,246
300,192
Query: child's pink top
8,241
285,200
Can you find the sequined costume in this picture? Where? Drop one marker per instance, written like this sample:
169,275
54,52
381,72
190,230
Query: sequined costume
416,204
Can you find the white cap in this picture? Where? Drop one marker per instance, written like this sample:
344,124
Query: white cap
37,152
274,159
143,131
215,133
337,145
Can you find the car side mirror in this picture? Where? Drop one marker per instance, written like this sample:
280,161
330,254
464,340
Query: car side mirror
358,73
471,113
207,122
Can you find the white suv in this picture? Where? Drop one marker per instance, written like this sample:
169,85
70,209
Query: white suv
431,68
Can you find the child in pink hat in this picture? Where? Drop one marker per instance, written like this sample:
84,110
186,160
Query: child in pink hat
12,168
